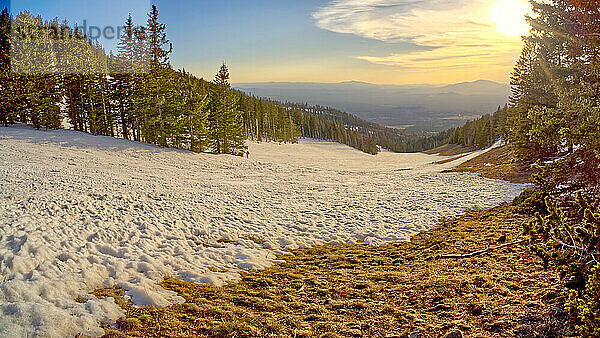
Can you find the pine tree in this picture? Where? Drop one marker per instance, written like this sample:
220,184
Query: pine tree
195,101
139,100
5,78
225,120
123,68
555,102
158,54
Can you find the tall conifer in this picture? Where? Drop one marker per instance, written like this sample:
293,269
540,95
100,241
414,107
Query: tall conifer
159,49
5,78
225,119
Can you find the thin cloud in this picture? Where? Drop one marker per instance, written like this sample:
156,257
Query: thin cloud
456,33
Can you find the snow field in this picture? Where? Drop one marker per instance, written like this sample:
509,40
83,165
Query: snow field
78,212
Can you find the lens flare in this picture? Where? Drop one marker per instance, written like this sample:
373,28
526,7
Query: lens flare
509,17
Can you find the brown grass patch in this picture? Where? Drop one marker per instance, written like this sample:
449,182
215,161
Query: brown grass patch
359,290
452,159
500,164
450,150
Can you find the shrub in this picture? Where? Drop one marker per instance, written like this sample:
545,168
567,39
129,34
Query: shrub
585,306
570,241
531,202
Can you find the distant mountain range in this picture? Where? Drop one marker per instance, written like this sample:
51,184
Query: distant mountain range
417,107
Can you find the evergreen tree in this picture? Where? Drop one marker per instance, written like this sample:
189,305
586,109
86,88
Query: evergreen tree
159,49
5,78
195,102
556,99
225,119
123,68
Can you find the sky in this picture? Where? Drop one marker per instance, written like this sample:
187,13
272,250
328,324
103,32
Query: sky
376,41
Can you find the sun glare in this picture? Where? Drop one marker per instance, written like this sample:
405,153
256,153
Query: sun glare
509,17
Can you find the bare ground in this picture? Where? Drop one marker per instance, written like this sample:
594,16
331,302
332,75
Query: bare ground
499,163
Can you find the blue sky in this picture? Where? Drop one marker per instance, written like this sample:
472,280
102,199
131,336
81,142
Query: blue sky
264,40
380,41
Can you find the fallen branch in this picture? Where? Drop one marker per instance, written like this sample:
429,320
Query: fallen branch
482,252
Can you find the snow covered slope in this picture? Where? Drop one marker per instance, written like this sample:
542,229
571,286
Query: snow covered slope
78,212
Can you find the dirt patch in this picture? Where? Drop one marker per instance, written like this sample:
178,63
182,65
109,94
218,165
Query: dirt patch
391,291
500,164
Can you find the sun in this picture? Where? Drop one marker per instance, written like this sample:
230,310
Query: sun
509,17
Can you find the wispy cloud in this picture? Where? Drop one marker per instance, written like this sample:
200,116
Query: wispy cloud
458,33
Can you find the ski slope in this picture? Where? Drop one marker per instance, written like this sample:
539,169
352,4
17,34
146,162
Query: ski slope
78,212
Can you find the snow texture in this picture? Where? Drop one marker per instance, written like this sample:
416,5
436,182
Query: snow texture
78,212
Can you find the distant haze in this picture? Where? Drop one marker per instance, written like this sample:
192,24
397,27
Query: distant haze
413,107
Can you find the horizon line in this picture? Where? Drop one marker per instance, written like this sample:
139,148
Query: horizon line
369,83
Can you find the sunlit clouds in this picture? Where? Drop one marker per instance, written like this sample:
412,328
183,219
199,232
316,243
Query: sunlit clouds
463,38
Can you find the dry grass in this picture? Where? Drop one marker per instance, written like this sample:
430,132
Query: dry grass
452,159
387,291
499,163
450,150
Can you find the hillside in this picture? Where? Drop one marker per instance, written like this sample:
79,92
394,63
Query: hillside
80,212
142,194
392,290
449,150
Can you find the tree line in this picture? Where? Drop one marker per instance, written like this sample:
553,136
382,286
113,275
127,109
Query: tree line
334,125
483,132
59,76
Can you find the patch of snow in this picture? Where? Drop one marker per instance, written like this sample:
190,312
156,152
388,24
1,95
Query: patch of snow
79,212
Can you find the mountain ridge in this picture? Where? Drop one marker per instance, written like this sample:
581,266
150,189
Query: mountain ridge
374,84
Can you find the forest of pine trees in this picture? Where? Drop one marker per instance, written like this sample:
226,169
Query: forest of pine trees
334,125
134,95
137,95
483,132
